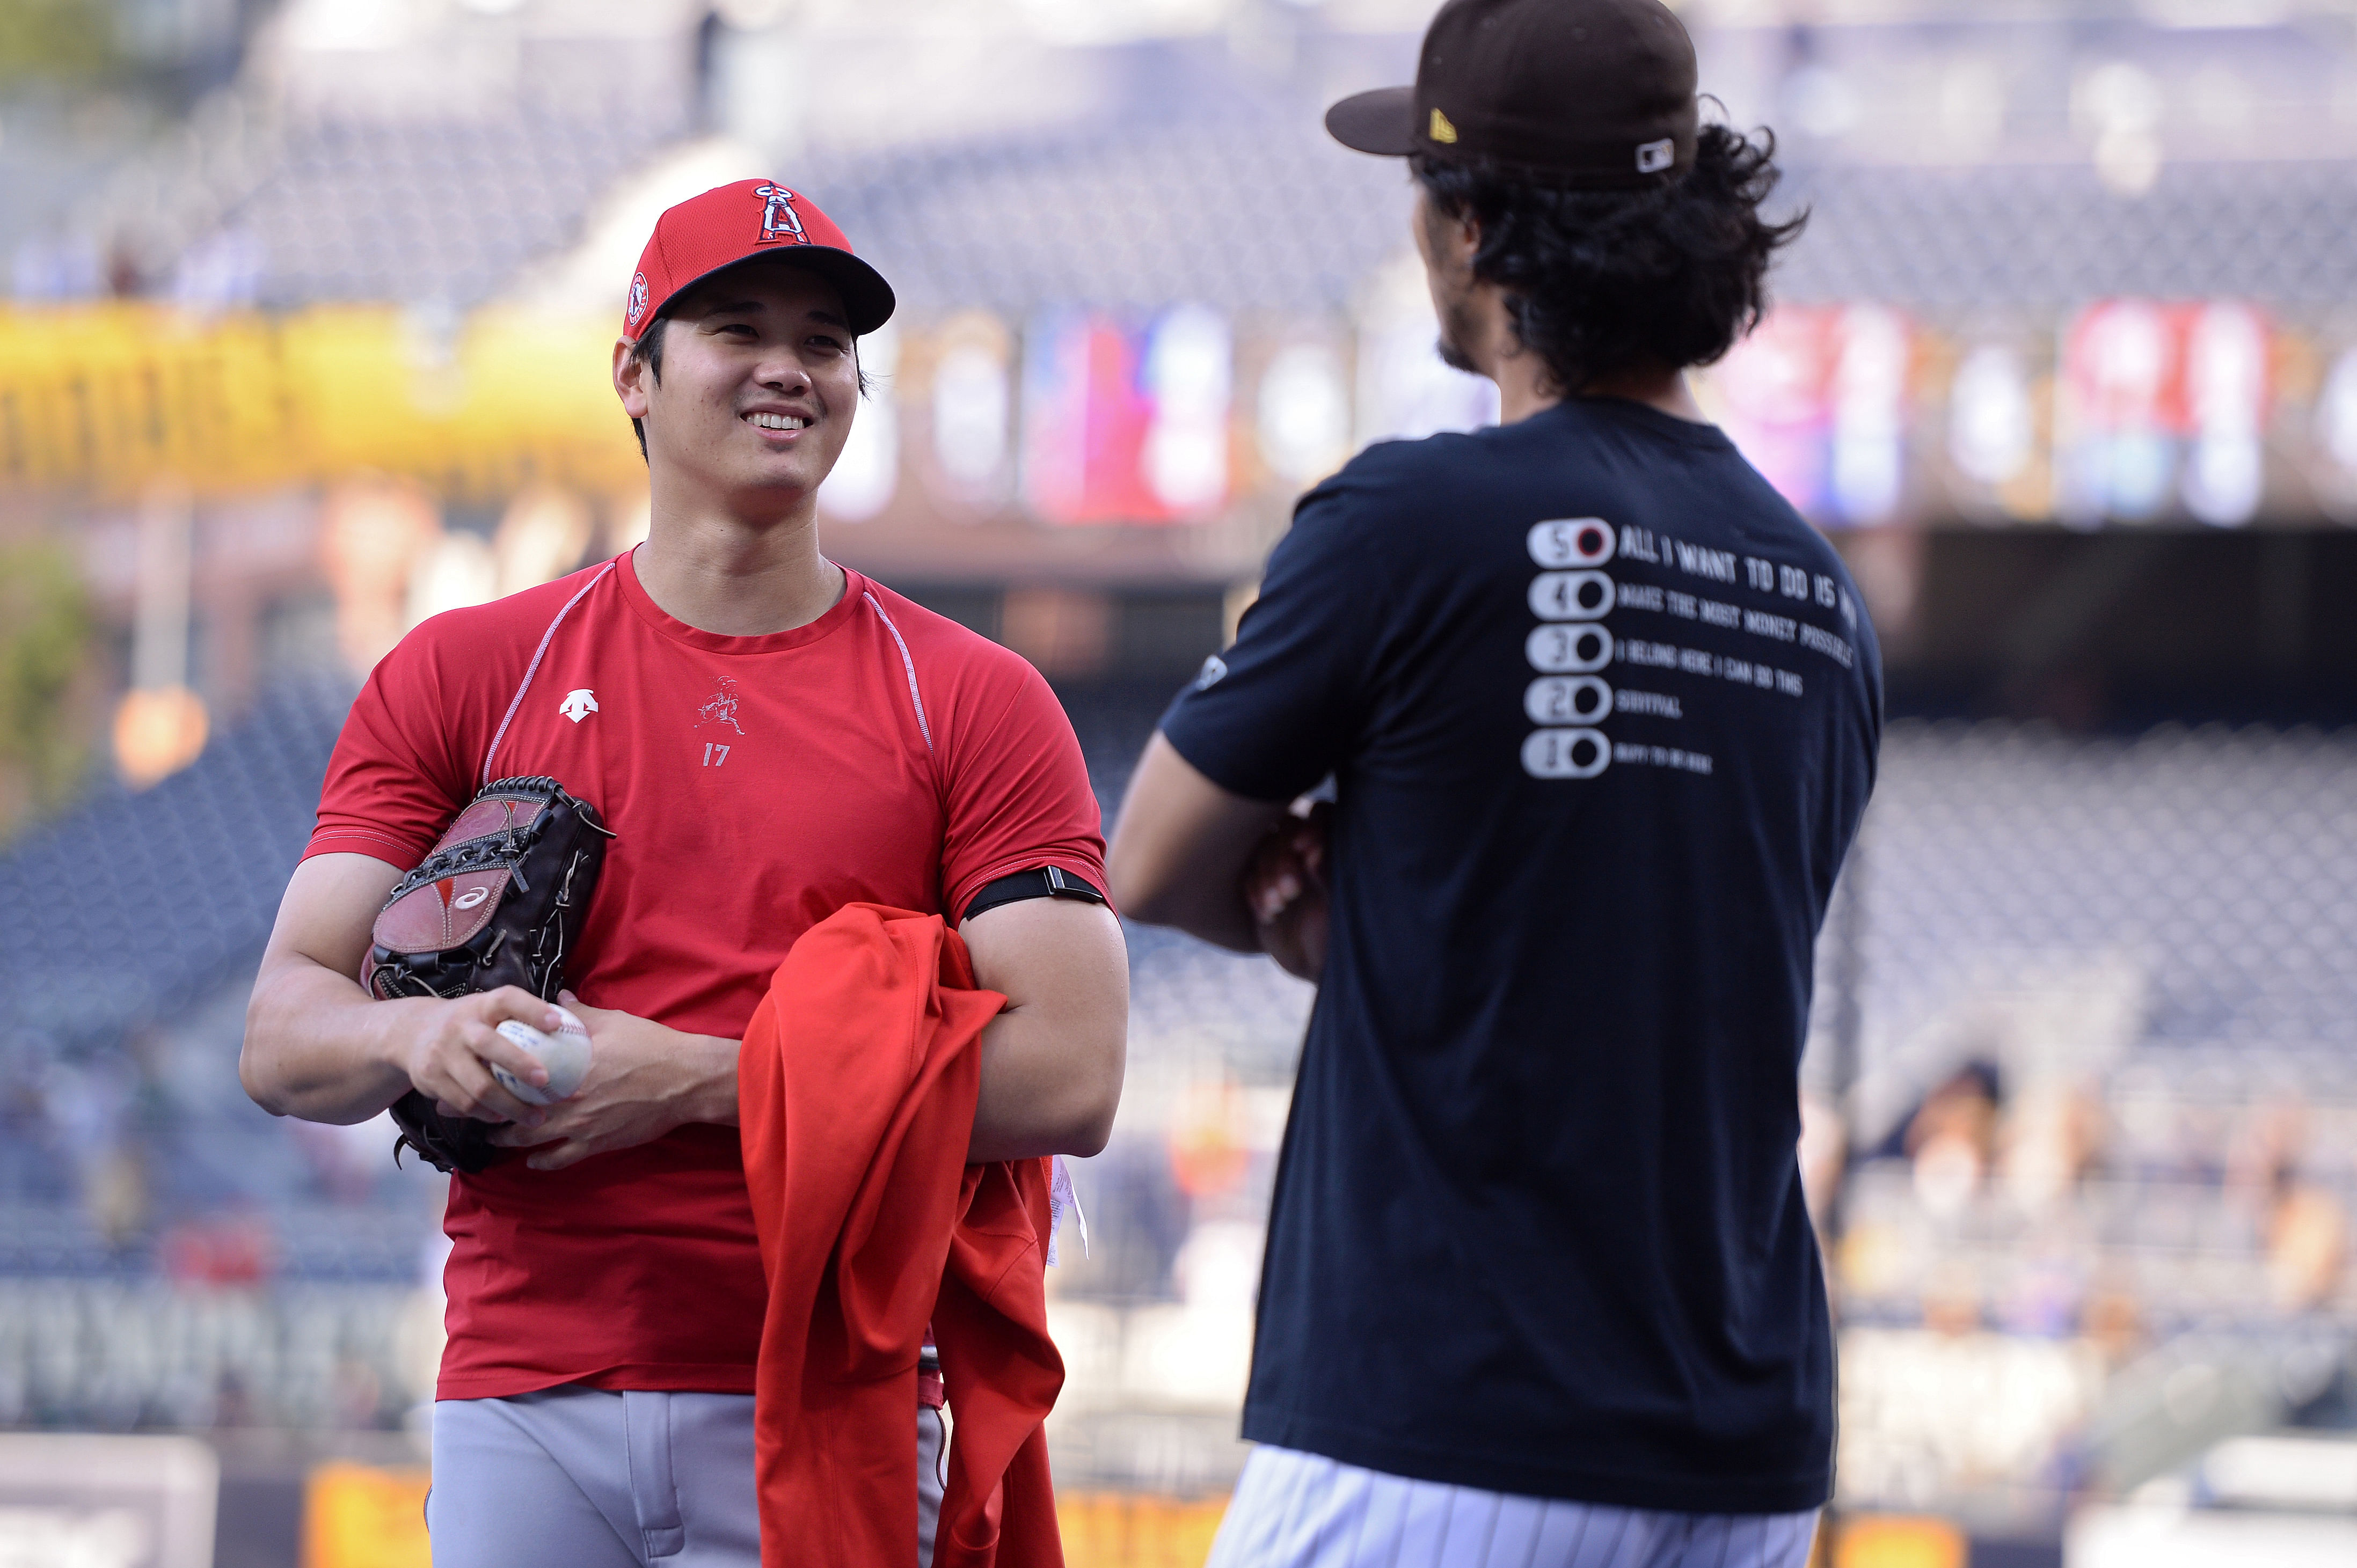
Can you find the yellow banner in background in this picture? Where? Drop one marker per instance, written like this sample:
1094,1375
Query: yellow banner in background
104,399
357,1516
1889,1540
1128,1529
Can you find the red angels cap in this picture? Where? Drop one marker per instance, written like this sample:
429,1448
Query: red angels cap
735,223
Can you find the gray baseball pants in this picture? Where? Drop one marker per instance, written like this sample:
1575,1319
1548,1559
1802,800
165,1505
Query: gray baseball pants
586,1478
1303,1510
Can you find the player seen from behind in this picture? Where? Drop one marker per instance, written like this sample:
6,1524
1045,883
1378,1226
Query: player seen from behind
1601,712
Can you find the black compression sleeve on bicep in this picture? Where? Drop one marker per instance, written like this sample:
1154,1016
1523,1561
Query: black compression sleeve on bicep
1040,882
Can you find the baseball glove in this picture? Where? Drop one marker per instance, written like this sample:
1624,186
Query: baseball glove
499,901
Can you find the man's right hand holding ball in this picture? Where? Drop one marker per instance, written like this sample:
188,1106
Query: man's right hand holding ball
448,1052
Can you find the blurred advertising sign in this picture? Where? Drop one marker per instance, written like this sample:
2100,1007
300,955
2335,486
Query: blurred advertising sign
973,410
2162,403
869,470
2171,1535
1872,347
1926,1413
1189,384
2336,438
109,398
71,1500
2227,390
1129,1529
1899,1541
1817,398
359,1516
1126,426
1302,413
2000,401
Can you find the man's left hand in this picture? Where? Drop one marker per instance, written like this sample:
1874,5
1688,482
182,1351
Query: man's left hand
1284,887
644,1079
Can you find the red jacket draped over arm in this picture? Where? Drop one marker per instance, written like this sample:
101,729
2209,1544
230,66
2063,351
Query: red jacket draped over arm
856,1090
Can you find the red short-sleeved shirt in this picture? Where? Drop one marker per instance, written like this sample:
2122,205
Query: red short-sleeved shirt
756,784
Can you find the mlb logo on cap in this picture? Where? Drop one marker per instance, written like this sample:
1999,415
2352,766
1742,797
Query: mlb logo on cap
1584,94
732,224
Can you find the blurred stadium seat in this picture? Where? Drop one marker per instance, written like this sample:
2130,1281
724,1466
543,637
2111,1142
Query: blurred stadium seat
134,905
1244,207
2037,240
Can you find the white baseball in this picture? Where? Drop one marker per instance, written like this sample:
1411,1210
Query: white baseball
565,1055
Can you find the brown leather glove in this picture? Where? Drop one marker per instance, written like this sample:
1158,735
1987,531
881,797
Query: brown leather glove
499,901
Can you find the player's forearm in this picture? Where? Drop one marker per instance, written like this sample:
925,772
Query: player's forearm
1169,872
319,1047
1212,907
1180,849
701,1082
1049,1085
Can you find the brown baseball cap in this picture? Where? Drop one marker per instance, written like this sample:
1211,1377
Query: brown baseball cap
1592,94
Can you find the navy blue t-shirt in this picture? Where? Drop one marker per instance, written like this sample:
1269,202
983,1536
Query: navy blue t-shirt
1602,713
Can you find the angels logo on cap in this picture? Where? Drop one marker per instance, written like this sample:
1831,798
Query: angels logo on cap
709,233
779,223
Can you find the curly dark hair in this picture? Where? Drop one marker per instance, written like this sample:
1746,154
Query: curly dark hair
1600,281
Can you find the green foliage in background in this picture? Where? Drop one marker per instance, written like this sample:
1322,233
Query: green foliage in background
58,40
44,641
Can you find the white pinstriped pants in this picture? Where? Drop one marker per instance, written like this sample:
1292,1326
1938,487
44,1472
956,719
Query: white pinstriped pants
1303,1510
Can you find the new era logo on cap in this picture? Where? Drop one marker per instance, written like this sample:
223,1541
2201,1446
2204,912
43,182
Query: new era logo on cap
735,223
1555,91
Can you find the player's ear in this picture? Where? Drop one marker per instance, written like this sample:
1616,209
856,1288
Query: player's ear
631,378
1460,234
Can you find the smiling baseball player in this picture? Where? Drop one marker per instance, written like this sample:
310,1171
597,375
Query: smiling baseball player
770,737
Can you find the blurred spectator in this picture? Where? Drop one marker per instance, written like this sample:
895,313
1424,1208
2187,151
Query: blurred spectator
358,1394
2041,1300
1209,1158
2048,1141
1137,1220
2113,1321
2308,1241
30,1169
1951,1298
1952,1137
90,1105
346,1162
2300,1222
225,1249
